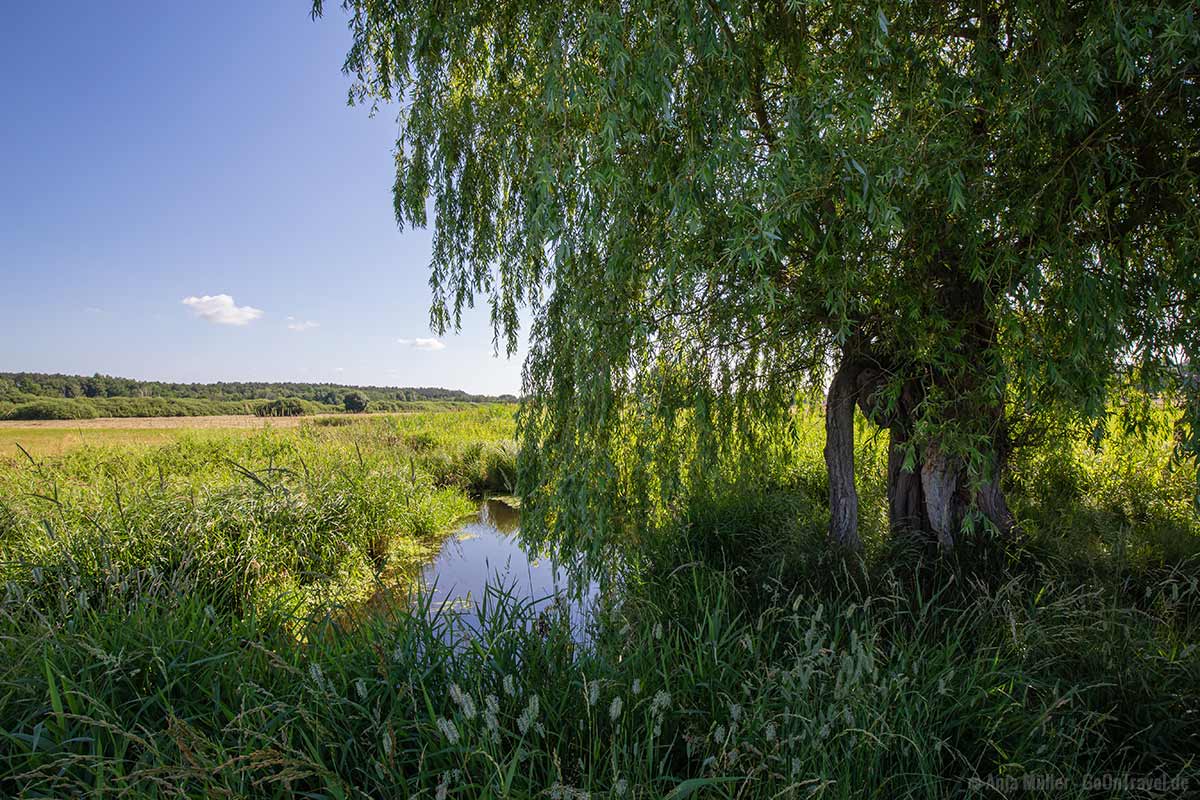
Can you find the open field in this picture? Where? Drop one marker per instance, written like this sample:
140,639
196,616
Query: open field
842,429
159,423
55,437
58,441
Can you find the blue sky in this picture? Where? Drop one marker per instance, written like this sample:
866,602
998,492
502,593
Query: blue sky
156,153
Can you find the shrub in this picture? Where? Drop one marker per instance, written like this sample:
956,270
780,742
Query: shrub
332,422
355,402
52,409
124,407
500,468
283,407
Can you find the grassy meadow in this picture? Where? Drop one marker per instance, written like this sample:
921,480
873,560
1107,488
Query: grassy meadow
174,624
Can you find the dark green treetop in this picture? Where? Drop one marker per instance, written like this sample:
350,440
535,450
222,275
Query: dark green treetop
355,402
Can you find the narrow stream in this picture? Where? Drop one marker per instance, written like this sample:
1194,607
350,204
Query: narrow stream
487,550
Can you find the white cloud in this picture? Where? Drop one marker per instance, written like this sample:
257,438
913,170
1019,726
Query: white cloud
301,325
423,344
220,309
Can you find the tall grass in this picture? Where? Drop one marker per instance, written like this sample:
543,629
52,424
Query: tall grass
142,654
687,690
279,519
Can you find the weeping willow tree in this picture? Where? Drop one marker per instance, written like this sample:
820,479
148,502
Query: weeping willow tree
949,216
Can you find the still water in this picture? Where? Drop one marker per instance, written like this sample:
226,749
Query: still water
486,551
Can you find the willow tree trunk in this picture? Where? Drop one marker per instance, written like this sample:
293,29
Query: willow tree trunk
944,504
906,497
931,493
839,457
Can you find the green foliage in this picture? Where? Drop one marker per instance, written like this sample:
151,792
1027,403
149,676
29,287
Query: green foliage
1121,502
892,696
477,456
708,204
1114,507
355,402
333,422
186,620
125,407
38,396
266,523
283,407
51,409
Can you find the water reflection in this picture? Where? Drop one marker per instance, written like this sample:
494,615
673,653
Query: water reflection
500,515
485,551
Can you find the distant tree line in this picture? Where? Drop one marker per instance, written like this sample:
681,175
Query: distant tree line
23,387
90,408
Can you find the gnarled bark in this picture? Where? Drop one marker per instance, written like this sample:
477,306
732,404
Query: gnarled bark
933,496
989,498
941,481
906,498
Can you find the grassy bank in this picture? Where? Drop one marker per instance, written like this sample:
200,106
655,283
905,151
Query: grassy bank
149,647
275,520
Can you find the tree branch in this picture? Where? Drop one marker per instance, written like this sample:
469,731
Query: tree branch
757,104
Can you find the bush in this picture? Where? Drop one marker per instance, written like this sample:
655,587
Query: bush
355,402
127,407
52,409
163,407
332,422
283,407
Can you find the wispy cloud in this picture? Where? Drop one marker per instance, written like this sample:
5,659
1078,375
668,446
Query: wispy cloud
298,325
422,344
220,309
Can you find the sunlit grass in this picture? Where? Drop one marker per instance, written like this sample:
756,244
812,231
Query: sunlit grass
58,441
188,618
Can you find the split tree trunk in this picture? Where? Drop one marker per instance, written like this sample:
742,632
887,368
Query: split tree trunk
906,497
940,478
933,496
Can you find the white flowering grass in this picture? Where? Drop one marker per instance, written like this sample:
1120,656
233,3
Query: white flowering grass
825,691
